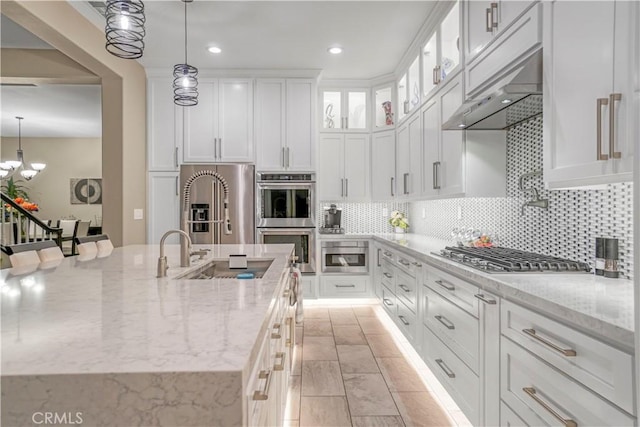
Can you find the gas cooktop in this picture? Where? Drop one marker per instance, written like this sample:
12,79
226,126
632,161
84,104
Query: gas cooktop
505,260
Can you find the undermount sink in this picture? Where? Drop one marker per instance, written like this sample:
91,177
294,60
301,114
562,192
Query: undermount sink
219,269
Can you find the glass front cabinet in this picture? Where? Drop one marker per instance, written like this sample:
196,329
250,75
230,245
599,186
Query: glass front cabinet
384,107
344,109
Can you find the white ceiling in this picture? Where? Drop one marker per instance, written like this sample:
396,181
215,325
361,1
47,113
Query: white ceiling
285,34
71,111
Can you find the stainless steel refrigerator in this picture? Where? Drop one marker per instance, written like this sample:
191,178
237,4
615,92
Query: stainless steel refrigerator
218,203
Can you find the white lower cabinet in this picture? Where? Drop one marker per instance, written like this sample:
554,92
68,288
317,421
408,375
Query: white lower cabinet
542,395
344,286
309,287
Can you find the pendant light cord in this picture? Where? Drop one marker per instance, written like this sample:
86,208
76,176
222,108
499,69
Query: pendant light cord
185,32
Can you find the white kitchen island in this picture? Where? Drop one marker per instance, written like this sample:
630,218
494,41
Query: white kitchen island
105,342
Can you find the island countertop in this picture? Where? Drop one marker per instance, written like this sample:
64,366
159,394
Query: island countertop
112,315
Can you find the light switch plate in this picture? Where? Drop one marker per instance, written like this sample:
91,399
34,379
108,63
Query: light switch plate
138,214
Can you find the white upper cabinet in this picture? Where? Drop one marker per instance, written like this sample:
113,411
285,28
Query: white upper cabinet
589,101
343,169
409,158
344,110
484,20
384,108
441,54
220,127
383,156
163,150
285,125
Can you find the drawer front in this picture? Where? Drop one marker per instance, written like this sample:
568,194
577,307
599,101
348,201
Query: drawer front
460,381
454,326
343,286
407,321
606,370
388,255
455,290
409,265
406,290
508,418
542,395
388,274
389,301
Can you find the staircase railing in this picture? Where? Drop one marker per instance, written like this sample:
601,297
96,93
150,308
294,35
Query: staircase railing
18,225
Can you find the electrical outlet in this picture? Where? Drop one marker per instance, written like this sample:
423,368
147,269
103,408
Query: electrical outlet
424,213
138,214
459,212
385,212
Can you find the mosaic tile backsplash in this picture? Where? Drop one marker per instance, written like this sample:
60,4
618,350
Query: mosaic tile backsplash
567,229
365,218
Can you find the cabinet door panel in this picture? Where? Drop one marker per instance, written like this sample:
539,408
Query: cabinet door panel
164,206
477,35
300,128
162,126
357,109
356,167
383,166
415,151
431,146
201,124
451,171
270,124
429,62
509,11
403,158
332,114
578,66
330,167
236,120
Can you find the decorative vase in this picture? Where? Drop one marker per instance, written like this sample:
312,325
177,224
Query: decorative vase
400,230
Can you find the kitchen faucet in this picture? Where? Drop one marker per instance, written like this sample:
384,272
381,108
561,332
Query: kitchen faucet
184,249
537,202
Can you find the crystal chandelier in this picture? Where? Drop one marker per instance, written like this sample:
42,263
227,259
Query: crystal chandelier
11,166
185,76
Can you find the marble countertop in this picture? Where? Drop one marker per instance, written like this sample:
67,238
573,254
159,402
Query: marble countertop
600,306
112,315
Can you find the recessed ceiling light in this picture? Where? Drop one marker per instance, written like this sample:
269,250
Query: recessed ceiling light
506,101
462,125
335,50
214,49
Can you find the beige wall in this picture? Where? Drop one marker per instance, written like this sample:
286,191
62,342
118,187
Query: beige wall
123,106
66,158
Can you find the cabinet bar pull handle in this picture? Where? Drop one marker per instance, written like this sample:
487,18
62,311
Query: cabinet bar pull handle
567,422
345,286
342,185
220,148
177,187
435,79
483,298
489,20
434,177
264,393
612,125
346,187
437,170
564,351
417,264
405,178
175,156
599,103
346,121
387,302
404,288
392,179
403,320
378,261
282,157
446,322
276,335
403,262
387,253
438,74
445,368
494,17
286,157
387,275
280,355
446,285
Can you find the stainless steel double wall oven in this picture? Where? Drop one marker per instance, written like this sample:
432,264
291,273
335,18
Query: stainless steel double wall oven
286,213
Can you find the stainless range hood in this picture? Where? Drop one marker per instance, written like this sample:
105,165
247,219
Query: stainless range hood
512,100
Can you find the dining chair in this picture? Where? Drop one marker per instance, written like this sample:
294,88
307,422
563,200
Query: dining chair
69,230
82,231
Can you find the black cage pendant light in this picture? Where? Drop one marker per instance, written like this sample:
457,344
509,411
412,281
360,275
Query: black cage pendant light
125,28
185,76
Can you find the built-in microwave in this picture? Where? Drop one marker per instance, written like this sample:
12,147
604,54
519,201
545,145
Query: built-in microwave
285,200
345,256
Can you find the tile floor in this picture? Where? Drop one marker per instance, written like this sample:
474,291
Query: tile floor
354,368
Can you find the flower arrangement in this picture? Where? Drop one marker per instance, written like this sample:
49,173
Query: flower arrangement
399,220
25,204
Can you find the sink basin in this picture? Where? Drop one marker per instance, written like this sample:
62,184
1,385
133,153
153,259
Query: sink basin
219,269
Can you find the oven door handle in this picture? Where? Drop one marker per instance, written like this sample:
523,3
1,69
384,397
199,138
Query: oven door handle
291,184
